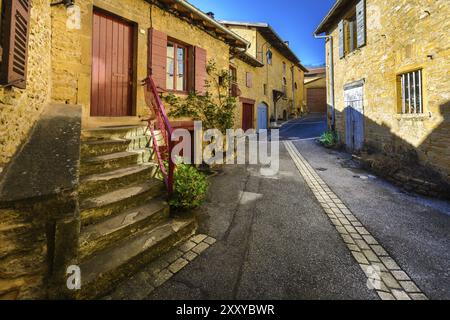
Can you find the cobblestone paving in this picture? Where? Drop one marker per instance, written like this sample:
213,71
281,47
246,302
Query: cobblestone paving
383,274
142,284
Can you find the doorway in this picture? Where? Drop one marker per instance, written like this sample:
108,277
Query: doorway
247,116
262,117
354,116
112,66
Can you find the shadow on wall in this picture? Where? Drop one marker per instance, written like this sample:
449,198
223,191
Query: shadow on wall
424,169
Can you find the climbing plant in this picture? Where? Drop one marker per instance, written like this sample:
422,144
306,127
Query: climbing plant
215,108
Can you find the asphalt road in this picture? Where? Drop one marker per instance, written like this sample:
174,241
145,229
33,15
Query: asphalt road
275,241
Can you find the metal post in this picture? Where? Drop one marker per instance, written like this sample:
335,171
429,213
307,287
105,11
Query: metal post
414,90
403,95
409,92
420,92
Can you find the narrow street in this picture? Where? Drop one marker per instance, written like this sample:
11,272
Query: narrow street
277,238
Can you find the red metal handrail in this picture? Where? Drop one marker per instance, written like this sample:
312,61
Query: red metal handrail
158,115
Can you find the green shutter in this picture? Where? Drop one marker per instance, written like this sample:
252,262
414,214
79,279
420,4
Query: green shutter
361,23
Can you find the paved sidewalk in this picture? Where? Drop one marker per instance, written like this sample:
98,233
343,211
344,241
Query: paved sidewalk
279,237
414,230
274,241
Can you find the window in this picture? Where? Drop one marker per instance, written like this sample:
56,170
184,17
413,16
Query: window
296,86
14,31
284,68
265,89
233,82
350,32
284,86
176,78
352,29
410,89
248,79
269,57
1,31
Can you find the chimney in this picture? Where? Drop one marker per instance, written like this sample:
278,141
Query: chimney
286,43
210,14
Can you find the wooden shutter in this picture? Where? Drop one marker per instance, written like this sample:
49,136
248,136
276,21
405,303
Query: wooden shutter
361,23
157,57
341,39
351,33
200,70
15,31
249,80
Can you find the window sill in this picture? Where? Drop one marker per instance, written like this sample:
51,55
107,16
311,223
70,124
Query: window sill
407,116
177,92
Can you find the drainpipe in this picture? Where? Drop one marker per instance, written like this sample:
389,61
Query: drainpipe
331,67
293,89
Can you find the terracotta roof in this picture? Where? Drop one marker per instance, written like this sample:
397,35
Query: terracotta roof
202,20
315,71
335,13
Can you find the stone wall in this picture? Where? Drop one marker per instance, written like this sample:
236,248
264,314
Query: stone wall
401,37
20,108
272,75
71,51
39,219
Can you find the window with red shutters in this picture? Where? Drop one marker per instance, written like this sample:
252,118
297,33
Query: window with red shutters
15,25
174,65
200,70
157,57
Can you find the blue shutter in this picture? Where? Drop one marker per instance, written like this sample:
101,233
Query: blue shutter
361,23
341,39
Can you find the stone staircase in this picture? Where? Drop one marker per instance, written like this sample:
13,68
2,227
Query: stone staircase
125,222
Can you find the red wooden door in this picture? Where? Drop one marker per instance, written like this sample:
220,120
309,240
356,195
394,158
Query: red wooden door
112,66
247,116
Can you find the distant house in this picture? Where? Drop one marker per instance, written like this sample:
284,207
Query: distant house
315,90
277,84
389,62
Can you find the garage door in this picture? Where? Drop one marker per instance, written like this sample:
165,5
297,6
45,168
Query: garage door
317,100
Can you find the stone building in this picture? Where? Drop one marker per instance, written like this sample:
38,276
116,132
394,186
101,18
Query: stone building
277,83
388,80
316,90
78,183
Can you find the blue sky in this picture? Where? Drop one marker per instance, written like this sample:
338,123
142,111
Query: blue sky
294,20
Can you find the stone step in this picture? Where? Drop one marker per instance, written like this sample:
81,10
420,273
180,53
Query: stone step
95,148
104,234
93,185
113,161
112,203
102,272
110,133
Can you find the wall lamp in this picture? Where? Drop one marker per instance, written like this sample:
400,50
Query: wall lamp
66,3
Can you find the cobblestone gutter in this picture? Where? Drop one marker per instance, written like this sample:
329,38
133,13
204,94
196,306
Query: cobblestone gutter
384,275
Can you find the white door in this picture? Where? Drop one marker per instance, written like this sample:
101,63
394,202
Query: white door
354,116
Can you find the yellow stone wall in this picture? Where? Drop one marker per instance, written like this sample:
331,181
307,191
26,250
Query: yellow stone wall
255,92
401,37
72,51
20,108
272,75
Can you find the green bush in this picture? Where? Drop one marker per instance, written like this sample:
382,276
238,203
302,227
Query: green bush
328,139
190,188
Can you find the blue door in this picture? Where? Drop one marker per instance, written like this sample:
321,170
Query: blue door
354,118
262,117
